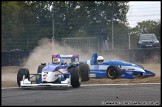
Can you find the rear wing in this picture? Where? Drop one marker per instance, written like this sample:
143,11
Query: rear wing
72,57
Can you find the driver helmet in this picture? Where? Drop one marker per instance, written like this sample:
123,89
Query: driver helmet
56,60
100,59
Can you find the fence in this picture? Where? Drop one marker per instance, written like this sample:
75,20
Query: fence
147,55
81,43
15,58
23,31
24,44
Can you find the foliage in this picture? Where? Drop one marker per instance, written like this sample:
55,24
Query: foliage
25,22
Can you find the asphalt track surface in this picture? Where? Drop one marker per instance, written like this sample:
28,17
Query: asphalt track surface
137,94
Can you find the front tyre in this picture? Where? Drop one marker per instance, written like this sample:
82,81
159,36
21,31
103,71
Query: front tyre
113,72
75,77
20,73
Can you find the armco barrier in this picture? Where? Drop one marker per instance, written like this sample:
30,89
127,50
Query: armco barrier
13,58
148,55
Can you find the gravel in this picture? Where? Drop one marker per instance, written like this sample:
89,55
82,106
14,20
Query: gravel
9,75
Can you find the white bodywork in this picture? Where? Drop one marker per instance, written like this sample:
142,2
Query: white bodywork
50,76
26,82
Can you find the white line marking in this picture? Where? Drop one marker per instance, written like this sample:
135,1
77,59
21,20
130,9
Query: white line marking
101,85
120,84
9,87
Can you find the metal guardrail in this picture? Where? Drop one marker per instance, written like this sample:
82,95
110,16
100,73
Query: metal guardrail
15,58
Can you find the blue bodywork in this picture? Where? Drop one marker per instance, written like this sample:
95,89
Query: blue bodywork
128,70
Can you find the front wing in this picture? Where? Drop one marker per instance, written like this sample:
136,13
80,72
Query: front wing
27,83
127,75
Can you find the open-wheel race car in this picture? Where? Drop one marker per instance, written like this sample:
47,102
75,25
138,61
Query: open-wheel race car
115,69
57,73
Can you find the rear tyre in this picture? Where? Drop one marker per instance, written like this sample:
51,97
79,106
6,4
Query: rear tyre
20,73
75,77
40,67
39,70
113,72
85,71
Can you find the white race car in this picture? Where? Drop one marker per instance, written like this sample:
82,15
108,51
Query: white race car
62,74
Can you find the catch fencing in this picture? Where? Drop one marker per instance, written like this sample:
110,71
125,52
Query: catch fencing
81,43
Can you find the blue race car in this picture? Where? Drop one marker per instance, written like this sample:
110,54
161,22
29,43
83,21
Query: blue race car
115,69
57,73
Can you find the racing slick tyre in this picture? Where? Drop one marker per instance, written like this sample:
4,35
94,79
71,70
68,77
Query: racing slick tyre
40,67
75,77
20,73
113,72
85,71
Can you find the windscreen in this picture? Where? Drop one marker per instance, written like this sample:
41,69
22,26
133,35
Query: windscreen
148,37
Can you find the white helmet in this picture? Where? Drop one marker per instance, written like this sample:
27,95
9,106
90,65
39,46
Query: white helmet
100,59
56,60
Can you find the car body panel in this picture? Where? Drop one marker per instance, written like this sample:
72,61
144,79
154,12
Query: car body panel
128,70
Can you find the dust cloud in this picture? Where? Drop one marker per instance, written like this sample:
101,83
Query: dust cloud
43,54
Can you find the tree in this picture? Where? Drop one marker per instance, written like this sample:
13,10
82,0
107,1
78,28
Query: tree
11,23
33,19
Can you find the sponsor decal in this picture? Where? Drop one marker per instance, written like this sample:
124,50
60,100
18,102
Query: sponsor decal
44,76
